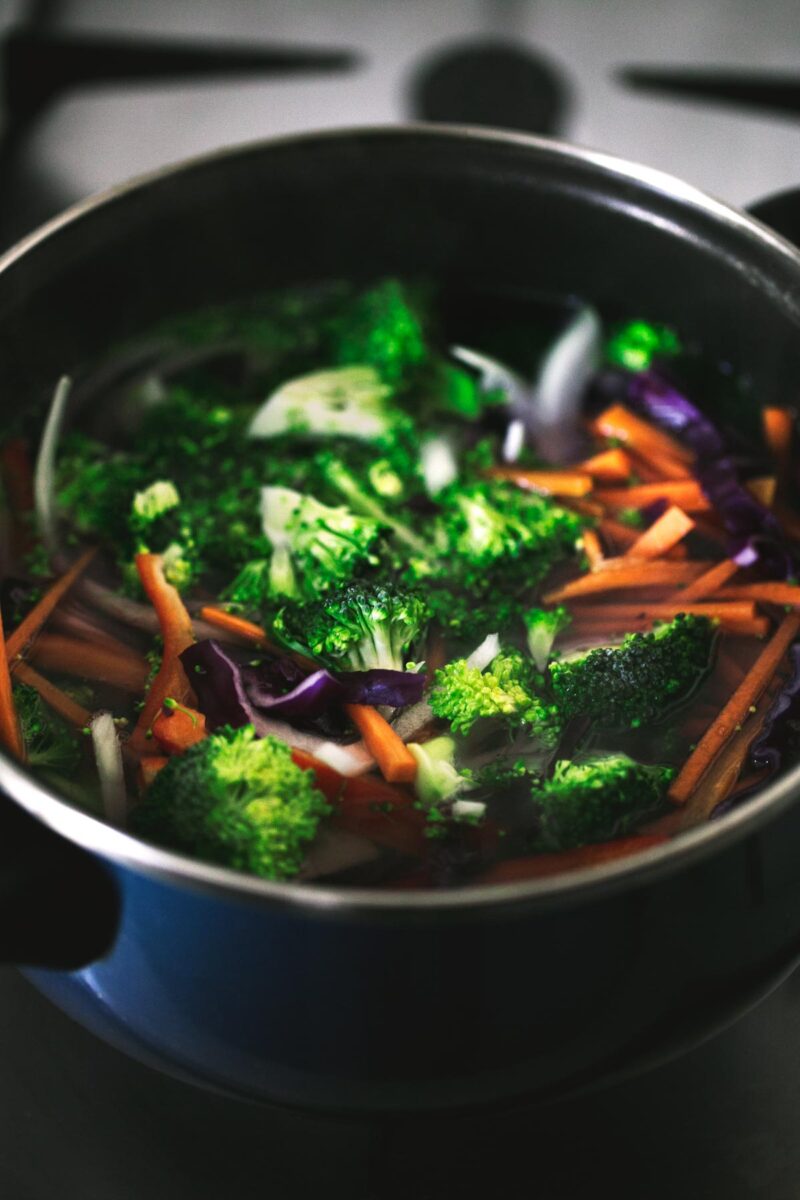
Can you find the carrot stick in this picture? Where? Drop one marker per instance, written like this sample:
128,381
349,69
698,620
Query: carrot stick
662,466
623,535
610,466
743,610
232,624
59,701
30,625
640,622
708,583
735,711
763,489
177,727
764,593
177,633
149,766
621,424
552,483
10,733
686,493
121,667
778,426
538,866
395,760
662,535
617,573
592,549
355,793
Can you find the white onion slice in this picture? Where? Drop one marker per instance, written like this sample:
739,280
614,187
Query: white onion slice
44,478
108,756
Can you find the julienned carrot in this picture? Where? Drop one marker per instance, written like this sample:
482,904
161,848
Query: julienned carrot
653,463
247,630
356,793
609,466
149,766
686,493
754,627
121,667
394,758
663,534
538,866
763,489
623,535
553,483
742,610
622,573
592,549
778,426
177,633
10,734
177,727
59,701
30,625
402,830
765,593
621,424
709,583
735,711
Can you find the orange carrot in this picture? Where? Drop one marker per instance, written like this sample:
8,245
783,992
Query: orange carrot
641,621
662,535
618,573
735,711
743,610
177,633
592,549
708,583
395,760
232,624
59,701
686,493
148,768
619,423
764,593
30,625
402,830
552,483
10,734
610,466
177,727
356,793
763,489
538,866
653,463
778,426
121,667
623,535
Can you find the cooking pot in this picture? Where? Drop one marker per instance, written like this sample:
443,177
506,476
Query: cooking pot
354,999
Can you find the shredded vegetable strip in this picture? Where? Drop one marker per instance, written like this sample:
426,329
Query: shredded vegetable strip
538,866
662,535
177,727
149,766
10,734
246,630
764,593
609,466
686,493
735,711
178,635
30,625
658,465
59,701
592,549
553,483
355,793
622,573
395,760
622,425
120,667
778,424
710,582
108,756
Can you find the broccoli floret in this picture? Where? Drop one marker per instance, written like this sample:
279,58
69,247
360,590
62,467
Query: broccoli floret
343,402
595,800
358,627
636,344
437,778
506,690
49,742
151,503
634,683
543,626
314,547
381,328
235,800
342,479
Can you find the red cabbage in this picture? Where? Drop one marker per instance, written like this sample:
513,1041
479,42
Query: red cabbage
779,724
756,537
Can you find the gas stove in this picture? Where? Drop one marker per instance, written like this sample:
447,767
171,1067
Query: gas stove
95,93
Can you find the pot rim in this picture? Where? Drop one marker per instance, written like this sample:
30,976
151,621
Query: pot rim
687,849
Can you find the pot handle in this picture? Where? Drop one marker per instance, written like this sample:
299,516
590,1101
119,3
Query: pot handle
59,906
781,211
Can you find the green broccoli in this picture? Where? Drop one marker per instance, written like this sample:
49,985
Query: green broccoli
314,547
595,800
235,800
49,742
506,690
636,344
543,626
635,682
342,479
358,627
381,328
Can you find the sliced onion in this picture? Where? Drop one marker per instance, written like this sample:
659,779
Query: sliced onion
564,377
439,466
485,653
44,478
108,756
